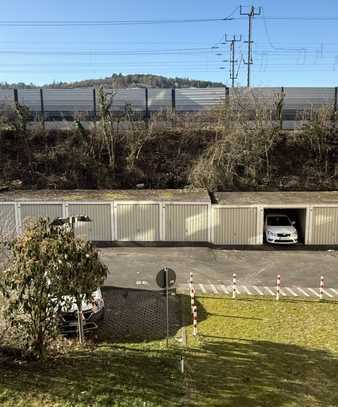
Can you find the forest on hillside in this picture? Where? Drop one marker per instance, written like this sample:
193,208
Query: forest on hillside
120,81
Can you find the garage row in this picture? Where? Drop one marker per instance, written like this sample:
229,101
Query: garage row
237,218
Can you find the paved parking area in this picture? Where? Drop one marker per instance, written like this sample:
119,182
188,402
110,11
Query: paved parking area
212,269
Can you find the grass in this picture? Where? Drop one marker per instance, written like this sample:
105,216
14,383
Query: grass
110,375
257,352
249,352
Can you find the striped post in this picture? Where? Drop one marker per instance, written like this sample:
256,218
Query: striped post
321,288
278,287
192,298
190,280
234,285
194,320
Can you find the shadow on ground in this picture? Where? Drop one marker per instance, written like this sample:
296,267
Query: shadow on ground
226,372
134,314
105,376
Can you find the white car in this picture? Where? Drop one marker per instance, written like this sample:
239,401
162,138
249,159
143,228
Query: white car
92,311
279,229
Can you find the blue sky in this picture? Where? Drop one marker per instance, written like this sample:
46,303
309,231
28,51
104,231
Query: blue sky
289,53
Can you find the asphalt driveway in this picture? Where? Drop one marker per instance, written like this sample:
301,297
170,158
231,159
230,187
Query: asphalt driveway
137,267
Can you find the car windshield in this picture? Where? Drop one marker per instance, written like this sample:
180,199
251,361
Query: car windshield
278,221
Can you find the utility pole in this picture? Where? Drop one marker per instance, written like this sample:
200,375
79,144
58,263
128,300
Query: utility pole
232,59
251,14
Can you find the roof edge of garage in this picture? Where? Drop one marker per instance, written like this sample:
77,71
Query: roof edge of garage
277,198
107,195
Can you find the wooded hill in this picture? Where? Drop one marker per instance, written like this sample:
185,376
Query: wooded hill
120,81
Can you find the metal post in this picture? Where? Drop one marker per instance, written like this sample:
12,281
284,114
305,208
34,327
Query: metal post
321,287
42,108
16,97
281,112
147,103
232,59
252,13
173,100
167,303
335,105
234,285
94,105
278,287
182,364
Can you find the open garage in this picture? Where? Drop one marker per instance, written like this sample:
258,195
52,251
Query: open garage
179,216
295,217
315,216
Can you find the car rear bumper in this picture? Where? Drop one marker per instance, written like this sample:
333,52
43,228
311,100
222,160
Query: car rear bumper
68,323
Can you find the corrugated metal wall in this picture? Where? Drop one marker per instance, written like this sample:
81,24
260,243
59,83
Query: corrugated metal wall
7,221
235,225
100,229
190,99
186,222
159,99
135,98
34,211
324,225
68,100
137,222
187,99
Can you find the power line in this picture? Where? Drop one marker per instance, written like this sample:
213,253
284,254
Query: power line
301,18
173,51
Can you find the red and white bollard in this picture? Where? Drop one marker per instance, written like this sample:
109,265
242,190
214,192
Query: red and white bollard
278,287
234,285
321,288
194,320
190,280
192,298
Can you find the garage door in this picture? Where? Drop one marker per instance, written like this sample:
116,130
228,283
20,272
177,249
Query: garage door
235,226
186,222
100,227
324,225
137,222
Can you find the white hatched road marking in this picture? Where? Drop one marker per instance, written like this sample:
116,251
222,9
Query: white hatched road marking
282,292
258,290
269,290
254,290
214,289
313,291
303,292
204,291
327,293
246,290
291,291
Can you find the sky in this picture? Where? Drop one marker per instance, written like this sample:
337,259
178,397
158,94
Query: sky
286,52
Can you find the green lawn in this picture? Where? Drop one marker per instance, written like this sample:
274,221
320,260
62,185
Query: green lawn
249,352
259,352
110,375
